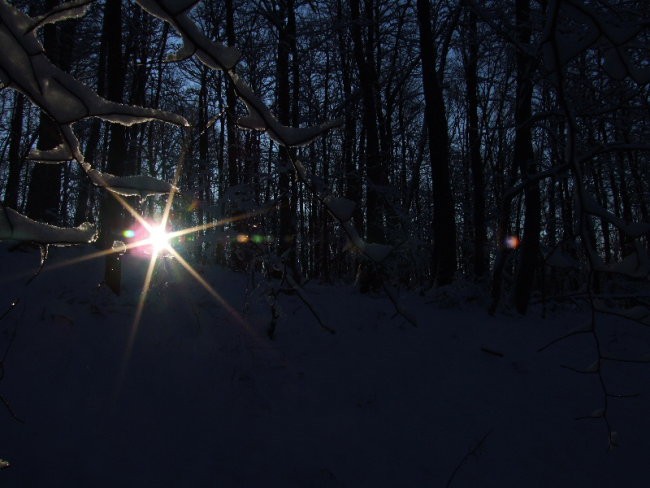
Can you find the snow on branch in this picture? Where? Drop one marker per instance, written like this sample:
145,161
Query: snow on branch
174,12
137,185
17,227
633,230
635,265
260,118
67,10
220,57
56,155
341,209
25,67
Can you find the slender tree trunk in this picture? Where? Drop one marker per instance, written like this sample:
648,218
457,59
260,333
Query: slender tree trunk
112,216
287,230
376,175
15,158
444,226
204,145
296,196
369,277
81,211
81,208
478,178
323,257
352,178
45,183
524,156
231,100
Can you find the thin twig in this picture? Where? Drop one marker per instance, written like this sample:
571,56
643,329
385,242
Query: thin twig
625,360
12,305
579,371
12,338
565,336
10,410
44,254
492,352
304,300
398,308
474,451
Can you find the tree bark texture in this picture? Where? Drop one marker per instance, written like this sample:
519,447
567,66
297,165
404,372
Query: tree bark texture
444,226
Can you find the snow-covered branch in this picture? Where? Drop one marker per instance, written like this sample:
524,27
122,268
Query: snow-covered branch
259,116
136,185
15,226
25,67
220,57
174,12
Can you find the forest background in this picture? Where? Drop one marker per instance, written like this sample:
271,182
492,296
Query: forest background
497,142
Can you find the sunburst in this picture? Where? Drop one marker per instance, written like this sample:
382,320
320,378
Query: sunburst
159,239
158,243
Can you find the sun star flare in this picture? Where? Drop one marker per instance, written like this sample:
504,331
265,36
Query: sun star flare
159,238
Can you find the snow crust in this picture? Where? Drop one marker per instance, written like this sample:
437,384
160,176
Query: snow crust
202,400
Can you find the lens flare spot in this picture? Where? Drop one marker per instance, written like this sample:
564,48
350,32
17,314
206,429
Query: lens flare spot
128,233
512,242
159,237
242,238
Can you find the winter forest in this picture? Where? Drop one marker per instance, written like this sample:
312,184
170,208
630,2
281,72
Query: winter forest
324,243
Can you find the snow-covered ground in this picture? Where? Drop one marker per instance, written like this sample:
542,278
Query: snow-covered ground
202,400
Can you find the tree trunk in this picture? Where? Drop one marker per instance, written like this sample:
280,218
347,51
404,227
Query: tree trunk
112,216
231,100
15,158
81,211
204,194
444,227
287,230
478,178
368,81
45,183
352,178
369,278
523,154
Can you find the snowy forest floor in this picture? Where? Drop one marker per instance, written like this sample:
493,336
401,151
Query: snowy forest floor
200,400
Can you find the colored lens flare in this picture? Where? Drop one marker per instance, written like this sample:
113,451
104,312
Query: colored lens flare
512,242
242,238
129,233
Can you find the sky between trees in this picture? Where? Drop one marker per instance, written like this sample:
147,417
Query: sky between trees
409,143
